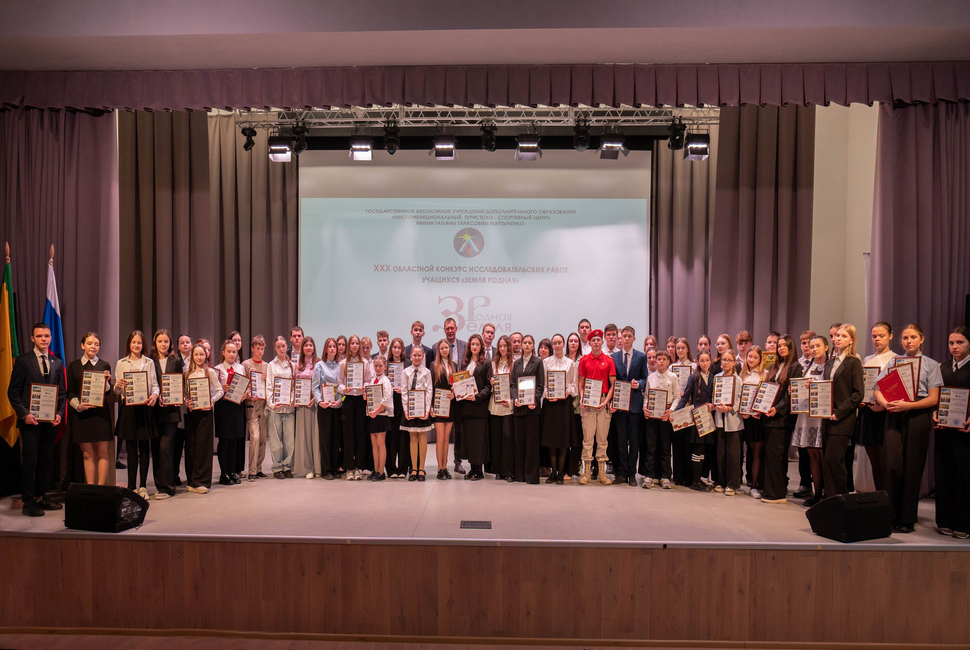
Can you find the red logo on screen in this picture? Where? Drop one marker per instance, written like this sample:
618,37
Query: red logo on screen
469,242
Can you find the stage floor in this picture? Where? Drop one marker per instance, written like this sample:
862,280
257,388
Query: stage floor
399,511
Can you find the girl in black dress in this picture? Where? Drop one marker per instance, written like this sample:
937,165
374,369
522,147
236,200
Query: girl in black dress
230,417
699,392
441,374
953,448
90,426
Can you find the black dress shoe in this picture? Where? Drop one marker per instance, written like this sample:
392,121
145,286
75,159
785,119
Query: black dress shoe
120,465
619,480
808,503
261,475
458,468
802,493
441,475
476,476
225,480
235,478
32,509
327,476
413,476
288,474
279,475
510,479
905,528
421,476
448,474
47,504
470,475
701,486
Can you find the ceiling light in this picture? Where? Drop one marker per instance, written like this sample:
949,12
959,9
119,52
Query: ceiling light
528,147
697,146
280,148
581,136
361,148
611,146
444,147
299,131
392,139
676,129
488,137
249,133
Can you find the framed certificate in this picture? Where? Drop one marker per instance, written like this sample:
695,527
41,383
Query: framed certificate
282,391
893,387
915,363
869,376
302,395
799,394
656,403
764,400
748,393
771,358
416,405
465,387
622,390
328,393
395,372
295,357
173,389
93,385
257,385
238,388
821,402
374,394
682,371
503,387
954,407
442,403
905,373
199,393
724,391
355,375
556,384
682,419
136,390
43,402
592,392
703,420
526,390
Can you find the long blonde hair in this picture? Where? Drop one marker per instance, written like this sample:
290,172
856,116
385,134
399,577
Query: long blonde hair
759,367
850,330
440,368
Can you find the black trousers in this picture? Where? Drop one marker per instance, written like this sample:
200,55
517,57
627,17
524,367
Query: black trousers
627,443
952,467
658,434
682,470
612,443
474,432
227,448
397,442
729,458
199,432
139,456
331,438
501,439
37,443
835,475
903,459
804,469
356,440
642,444
162,457
239,463
527,447
776,463
178,444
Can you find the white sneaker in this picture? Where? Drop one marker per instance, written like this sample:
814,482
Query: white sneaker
729,492
358,475
707,481
309,475
161,496
199,490
665,483
755,494
349,475
143,492
647,483
719,489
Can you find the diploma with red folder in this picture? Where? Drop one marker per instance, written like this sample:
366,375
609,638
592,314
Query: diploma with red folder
892,388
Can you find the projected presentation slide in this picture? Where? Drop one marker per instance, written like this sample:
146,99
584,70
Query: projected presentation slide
531,265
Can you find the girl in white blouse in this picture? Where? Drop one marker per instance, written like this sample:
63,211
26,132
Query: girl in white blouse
280,420
136,425
872,417
752,372
230,418
557,413
379,418
418,378
199,423
501,434
729,426
354,412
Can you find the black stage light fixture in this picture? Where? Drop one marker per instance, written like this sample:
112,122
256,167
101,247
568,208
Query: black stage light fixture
676,129
249,133
443,148
528,147
581,134
612,145
697,146
488,137
299,132
361,148
392,137
280,148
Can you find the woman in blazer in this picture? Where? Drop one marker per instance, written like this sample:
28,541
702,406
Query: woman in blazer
779,423
90,426
844,369
474,410
952,447
526,416
167,418
699,392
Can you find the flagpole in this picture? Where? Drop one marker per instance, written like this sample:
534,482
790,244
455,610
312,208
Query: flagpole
51,262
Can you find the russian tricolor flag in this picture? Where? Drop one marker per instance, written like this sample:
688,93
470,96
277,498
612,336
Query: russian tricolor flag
52,316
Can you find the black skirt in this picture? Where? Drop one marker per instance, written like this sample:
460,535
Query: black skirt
136,422
557,424
379,424
230,419
753,430
90,425
871,427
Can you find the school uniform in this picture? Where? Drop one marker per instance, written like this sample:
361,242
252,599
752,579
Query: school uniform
778,437
167,419
729,427
356,442
200,431
557,416
501,432
428,359
526,421
280,419
474,418
256,424
808,431
178,444
952,460
329,422
698,392
306,447
871,424
136,422
660,432
92,424
381,423
396,442
419,379
754,433
230,425
848,384
630,366
596,422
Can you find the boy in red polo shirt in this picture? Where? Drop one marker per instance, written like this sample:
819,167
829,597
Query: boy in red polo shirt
596,419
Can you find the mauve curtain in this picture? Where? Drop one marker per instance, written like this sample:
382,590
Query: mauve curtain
761,258
920,260
255,208
682,212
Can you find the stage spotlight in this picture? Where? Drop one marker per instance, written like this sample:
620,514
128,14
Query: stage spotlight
676,129
581,135
392,138
528,147
249,133
361,148
444,147
697,146
280,148
299,132
488,137
611,146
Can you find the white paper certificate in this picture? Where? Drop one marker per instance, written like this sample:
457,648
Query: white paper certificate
375,395
908,369
199,393
556,384
282,391
748,393
503,387
43,402
656,403
465,387
592,392
355,375
527,391
820,400
442,403
416,405
395,372
136,390
92,388
173,389
302,395
682,419
764,400
724,392
622,390
954,405
682,371
257,385
703,420
869,375
238,388
328,392
799,395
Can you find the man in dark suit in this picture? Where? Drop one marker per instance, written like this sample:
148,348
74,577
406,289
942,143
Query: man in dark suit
417,333
631,366
488,335
848,384
38,366
296,344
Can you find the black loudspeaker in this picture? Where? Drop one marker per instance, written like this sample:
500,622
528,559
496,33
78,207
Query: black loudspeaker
103,508
853,517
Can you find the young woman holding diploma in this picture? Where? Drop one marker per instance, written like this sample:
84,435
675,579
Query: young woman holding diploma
574,352
778,422
90,426
167,418
281,418
256,424
557,413
354,412
752,373
378,418
729,426
698,393
474,409
872,417
441,372
500,425
306,451
844,370
230,418
808,431
199,423
908,432
329,424
398,455
136,425
417,377
526,416
952,448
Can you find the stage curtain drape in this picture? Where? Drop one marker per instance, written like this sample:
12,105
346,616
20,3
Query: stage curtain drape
775,84
920,260
761,251
255,207
682,210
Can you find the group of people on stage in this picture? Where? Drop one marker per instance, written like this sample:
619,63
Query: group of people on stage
506,420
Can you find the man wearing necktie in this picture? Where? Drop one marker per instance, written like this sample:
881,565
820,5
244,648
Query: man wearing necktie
38,366
631,366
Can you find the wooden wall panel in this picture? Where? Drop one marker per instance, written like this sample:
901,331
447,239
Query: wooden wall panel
817,596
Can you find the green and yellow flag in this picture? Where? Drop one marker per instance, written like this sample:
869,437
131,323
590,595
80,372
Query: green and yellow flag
8,351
